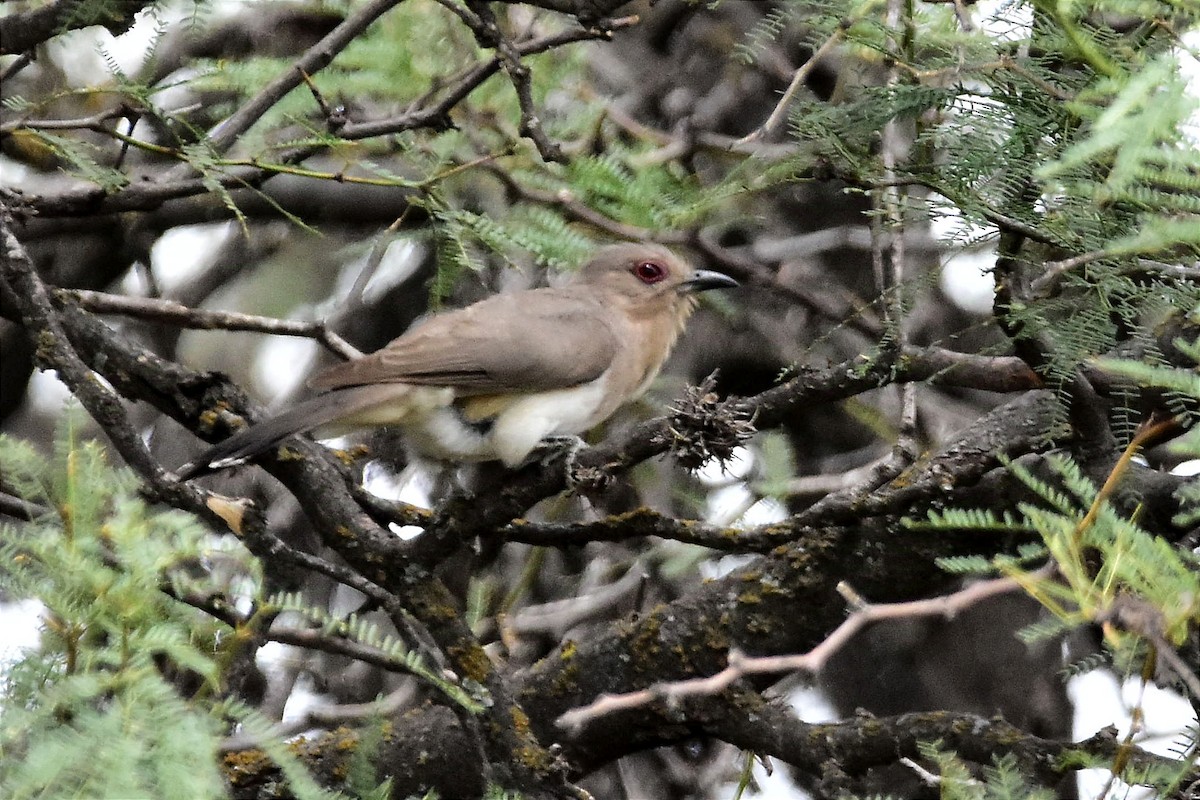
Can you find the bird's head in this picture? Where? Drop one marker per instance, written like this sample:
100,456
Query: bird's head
641,274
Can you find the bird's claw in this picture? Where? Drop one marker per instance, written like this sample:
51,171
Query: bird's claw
567,448
552,448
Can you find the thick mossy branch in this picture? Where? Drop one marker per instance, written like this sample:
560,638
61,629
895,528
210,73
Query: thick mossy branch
24,30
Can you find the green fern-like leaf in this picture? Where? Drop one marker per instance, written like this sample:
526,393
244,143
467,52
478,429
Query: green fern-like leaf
1043,630
84,161
966,565
89,712
366,632
969,519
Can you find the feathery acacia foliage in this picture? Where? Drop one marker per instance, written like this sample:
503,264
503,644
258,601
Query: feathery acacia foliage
98,562
1109,570
121,586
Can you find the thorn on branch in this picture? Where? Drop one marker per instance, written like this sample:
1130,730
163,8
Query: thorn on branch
337,119
335,116
702,426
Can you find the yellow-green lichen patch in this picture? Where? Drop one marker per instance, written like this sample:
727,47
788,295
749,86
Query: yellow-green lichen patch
758,624
771,587
347,739
528,753
289,454
644,644
565,680
47,348
471,661
432,603
244,765
750,702
211,417
684,656
352,454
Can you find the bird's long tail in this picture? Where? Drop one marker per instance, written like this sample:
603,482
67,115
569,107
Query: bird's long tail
313,413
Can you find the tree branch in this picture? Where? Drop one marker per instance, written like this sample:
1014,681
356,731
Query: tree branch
24,30
740,665
54,350
172,313
312,61
177,183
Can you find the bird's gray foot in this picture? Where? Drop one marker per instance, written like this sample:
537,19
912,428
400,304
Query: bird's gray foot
580,479
552,448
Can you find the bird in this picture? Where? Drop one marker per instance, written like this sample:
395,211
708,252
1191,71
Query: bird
494,380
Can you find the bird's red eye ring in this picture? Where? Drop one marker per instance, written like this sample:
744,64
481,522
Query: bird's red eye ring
649,271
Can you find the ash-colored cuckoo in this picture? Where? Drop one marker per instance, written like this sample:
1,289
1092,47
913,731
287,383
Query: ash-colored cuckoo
492,380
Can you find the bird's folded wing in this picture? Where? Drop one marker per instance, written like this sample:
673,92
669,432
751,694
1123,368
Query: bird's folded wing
527,341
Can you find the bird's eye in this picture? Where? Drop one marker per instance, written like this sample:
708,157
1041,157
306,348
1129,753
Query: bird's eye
649,271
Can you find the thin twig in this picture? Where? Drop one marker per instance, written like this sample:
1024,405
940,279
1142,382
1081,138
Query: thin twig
741,665
888,250
131,118
823,484
1056,269
1146,433
327,716
174,313
559,616
326,110
566,201
479,18
55,351
265,545
95,122
20,508
313,60
964,16
23,61
383,242
798,79
1180,271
